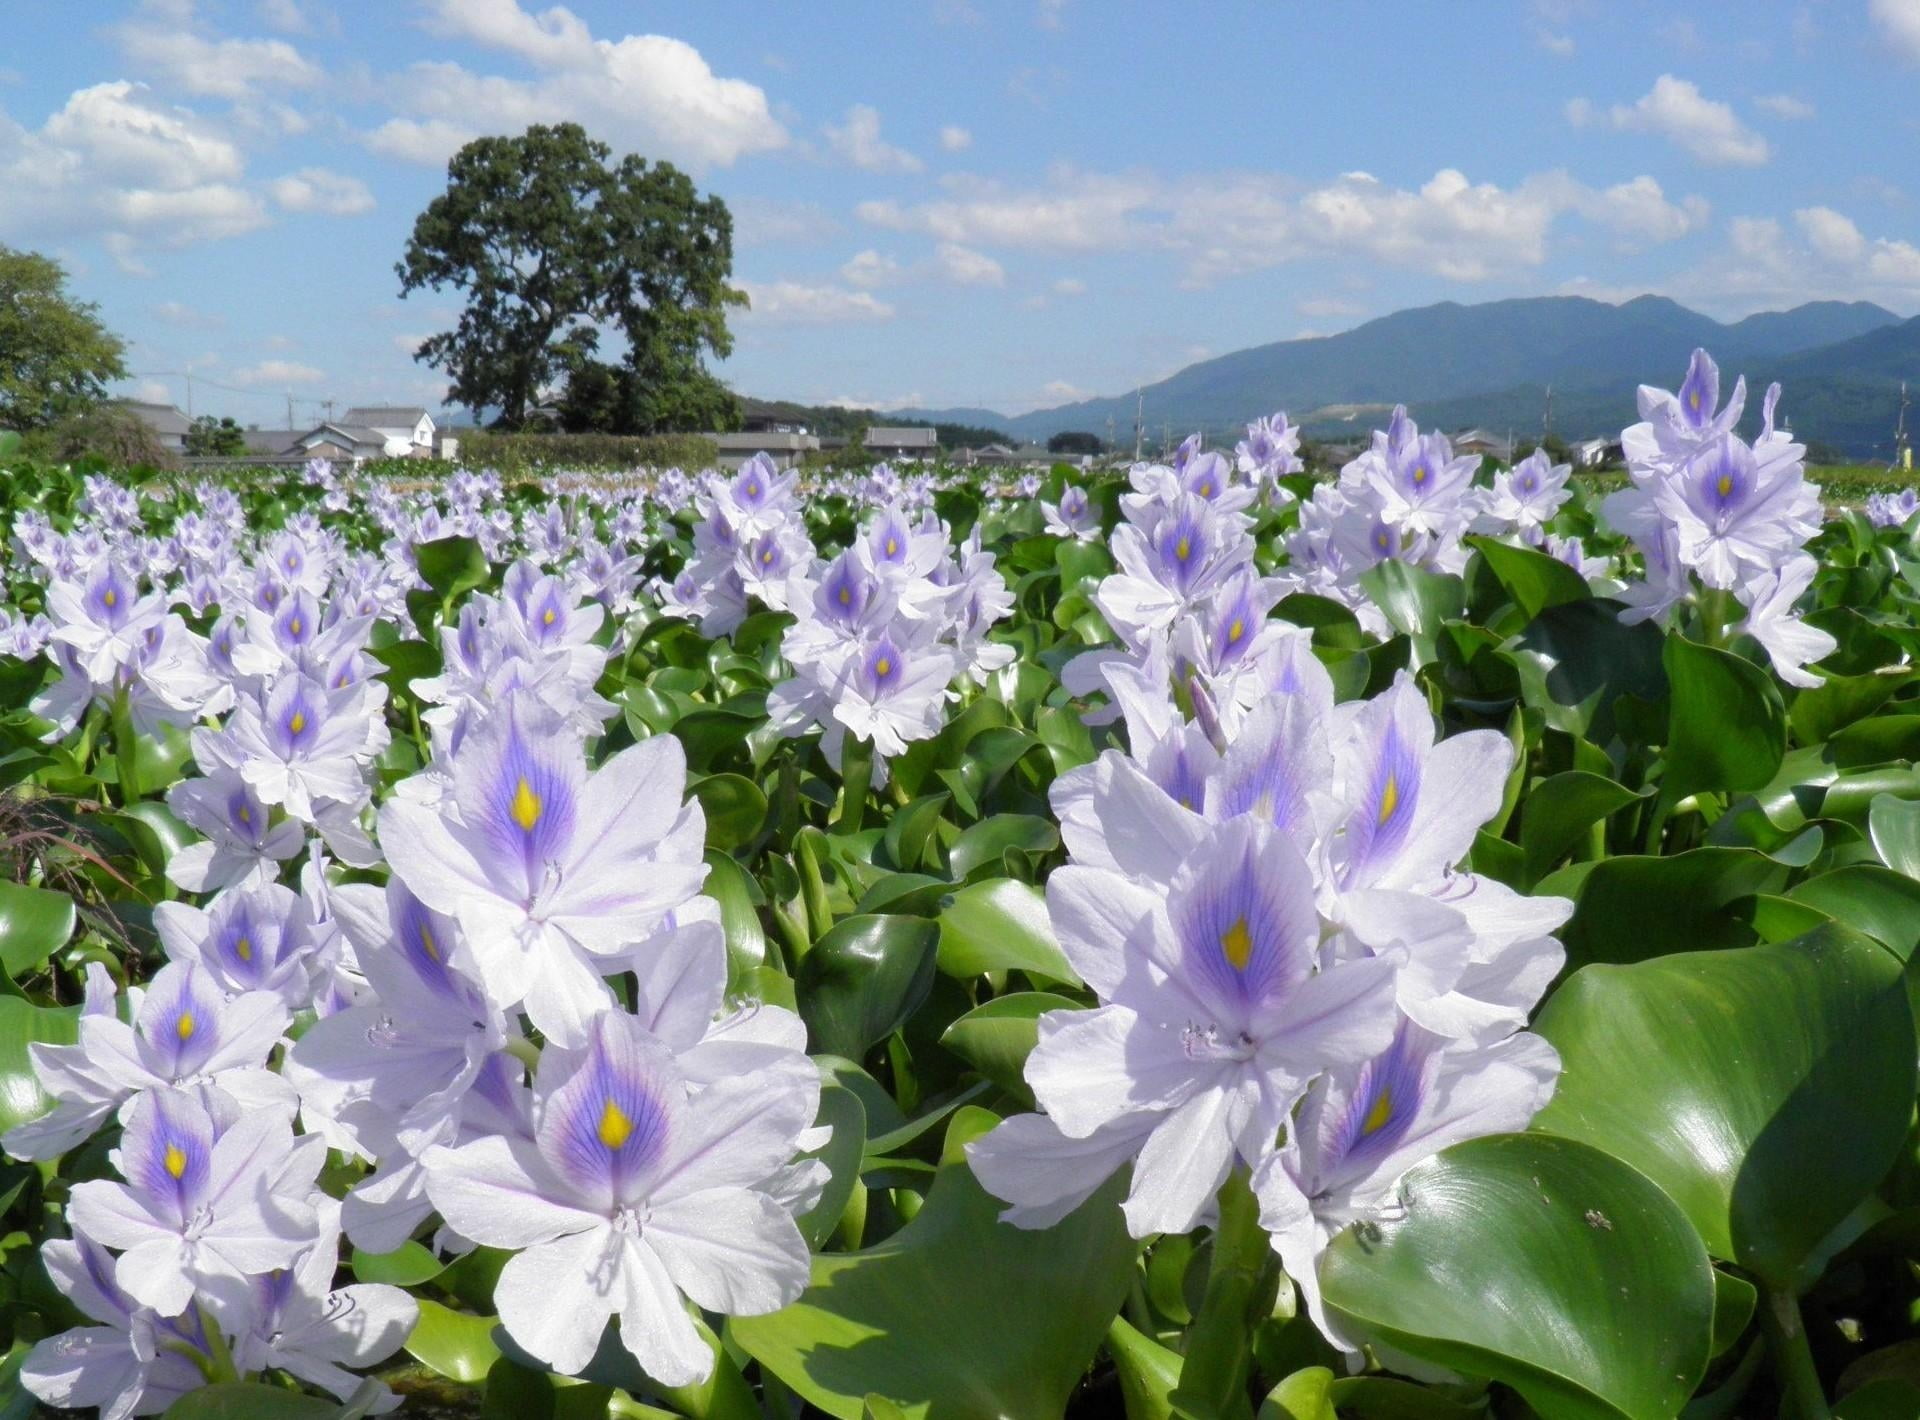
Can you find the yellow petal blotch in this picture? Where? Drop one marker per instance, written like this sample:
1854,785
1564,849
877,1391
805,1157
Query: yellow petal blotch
1389,798
1378,1116
1236,943
615,1127
175,1161
184,1027
525,807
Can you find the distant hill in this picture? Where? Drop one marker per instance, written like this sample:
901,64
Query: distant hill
1490,364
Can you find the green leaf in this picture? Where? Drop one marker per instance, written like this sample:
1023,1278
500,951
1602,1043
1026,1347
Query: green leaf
1147,1370
1558,812
1733,1303
1415,603
1728,726
840,1108
457,1345
997,1038
1304,1395
1868,898
1001,925
1630,908
34,924
1539,1262
1894,825
250,1400
22,1023
728,884
407,1266
1725,1076
452,565
957,1314
861,980
983,845
735,809
1577,660
1534,580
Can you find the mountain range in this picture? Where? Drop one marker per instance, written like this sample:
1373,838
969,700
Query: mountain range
1490,365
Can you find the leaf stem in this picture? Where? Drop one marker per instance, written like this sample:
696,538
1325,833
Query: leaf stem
1786,1333
1213,1378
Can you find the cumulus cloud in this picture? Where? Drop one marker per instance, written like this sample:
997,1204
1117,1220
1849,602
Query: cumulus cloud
1822,255
323,191
1069,286
966,267
185,317
277,372
954,138
1899,24
1784,106
1676,110
113,163
797,303
857,141
179,57
870,268
767,221
646,93
1076,212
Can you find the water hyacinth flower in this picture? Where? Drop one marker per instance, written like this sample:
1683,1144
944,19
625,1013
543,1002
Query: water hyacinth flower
635,1190
1524,499
301,745
210,1194
249,939
549,869
1892,510
1215,1017
1073,516
1364,1125
243,843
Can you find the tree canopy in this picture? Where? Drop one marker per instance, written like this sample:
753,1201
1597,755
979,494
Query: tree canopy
55,355
221,438
1075,441
552,245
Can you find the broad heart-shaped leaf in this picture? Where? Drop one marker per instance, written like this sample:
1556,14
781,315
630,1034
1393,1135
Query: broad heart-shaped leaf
1001,925
840,1110
1540,1262
1766,1089
1534,580
251,1400
1414,602
451,565
1557,812
1894,825
1727,728
457,1345
1630,908
735,808
996,1038
862,979
34,923
22,1023
1576,661
957,1316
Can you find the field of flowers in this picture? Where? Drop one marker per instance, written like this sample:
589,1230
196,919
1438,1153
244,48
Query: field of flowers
1189,941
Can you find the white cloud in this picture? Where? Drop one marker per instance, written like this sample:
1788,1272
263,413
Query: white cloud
954,138
320,190
153,392
765,221
1784,106
1320,307
1899,23
284,15
1559,45
277,372
640,93
858,142
870,268
795,303
185,317
1832,236
1069,286
1823,256
1051,14
216,68
1233,223
966,267
1063,392
113,164
1676,110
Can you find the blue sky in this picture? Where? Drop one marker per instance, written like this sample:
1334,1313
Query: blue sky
1008,203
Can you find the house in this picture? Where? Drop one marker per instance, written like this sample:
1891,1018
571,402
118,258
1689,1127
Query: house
168,424
271,443
406,429
1026,456
1486,444
1591,453
346,444
759,417
784,449
898,441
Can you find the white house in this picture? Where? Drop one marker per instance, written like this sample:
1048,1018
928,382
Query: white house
407,430
168,424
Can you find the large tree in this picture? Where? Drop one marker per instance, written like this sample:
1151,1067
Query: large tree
552,245
55,356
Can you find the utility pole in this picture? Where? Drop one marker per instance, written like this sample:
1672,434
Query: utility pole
1139,427
289,409
1901,457
189,396
1546,419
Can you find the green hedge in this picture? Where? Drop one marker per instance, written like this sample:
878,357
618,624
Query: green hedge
526,453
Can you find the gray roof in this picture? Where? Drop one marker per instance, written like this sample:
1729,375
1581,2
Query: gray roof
161,418
901,436
383,416
272,441
355,434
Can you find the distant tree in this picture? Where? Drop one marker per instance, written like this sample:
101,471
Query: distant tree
208,437
1075,441
55,356
968,436
550,245
111,433
614,399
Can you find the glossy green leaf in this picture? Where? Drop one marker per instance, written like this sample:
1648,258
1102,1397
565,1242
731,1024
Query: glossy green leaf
997,1038
1558,812
735,808
1577,662
1147,1371
1534,580
452,565
1727,728
1630,908
1019,1318
1304,1395
840,1110
1723,1075
34,923
1539,1262
22,1023
1894,825
250,1400
1001,925
407,1266
1415,602
982,845
458,1345
859,982
1868,898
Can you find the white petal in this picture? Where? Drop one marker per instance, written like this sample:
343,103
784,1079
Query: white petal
732,1250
